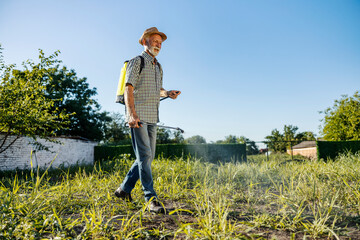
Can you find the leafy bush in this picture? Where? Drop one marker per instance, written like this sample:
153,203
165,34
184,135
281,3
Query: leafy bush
25,109
331,149
342,120
208,152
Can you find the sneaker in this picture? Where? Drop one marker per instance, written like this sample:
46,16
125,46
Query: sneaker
156,207
122,194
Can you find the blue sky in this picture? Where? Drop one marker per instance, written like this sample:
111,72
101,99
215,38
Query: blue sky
244,67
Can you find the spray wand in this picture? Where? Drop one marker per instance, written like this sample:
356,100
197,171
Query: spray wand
162,126
176,128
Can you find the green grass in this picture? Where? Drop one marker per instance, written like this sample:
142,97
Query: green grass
260,199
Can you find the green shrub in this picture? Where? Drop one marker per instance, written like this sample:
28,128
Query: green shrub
331,149
208,152
111,152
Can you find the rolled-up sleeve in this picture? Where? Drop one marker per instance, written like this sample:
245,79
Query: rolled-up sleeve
132,71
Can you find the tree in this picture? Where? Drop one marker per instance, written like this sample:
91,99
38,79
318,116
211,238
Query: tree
165,136
178,137
251,147
275,141
197,139
42,98
116,131
230,139
290,132
24,108
306,136
279,142
342,120
73,96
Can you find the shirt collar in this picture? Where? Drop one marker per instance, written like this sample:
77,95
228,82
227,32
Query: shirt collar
148,57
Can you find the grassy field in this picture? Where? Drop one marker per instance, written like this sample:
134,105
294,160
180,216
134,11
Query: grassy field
260,199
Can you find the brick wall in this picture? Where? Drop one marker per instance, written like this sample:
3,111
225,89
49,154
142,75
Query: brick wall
68,152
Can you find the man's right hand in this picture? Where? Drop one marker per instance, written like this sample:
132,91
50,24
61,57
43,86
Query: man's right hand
134,121
130,107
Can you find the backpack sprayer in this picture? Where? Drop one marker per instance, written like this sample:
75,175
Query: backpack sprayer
121,89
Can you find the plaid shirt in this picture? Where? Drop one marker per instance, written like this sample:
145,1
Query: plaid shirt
147,87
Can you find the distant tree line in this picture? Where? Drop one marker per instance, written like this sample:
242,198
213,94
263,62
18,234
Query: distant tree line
251,147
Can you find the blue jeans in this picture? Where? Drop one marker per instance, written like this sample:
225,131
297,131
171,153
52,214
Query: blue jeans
144,144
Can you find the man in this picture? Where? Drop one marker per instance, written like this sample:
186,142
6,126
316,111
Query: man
142,95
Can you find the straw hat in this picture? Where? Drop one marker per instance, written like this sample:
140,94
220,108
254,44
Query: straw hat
151,31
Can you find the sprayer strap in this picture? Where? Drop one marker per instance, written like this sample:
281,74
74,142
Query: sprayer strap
142,64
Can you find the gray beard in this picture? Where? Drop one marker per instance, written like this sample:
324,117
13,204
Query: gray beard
152,50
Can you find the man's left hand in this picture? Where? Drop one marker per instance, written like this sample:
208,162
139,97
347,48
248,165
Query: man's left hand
173,94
